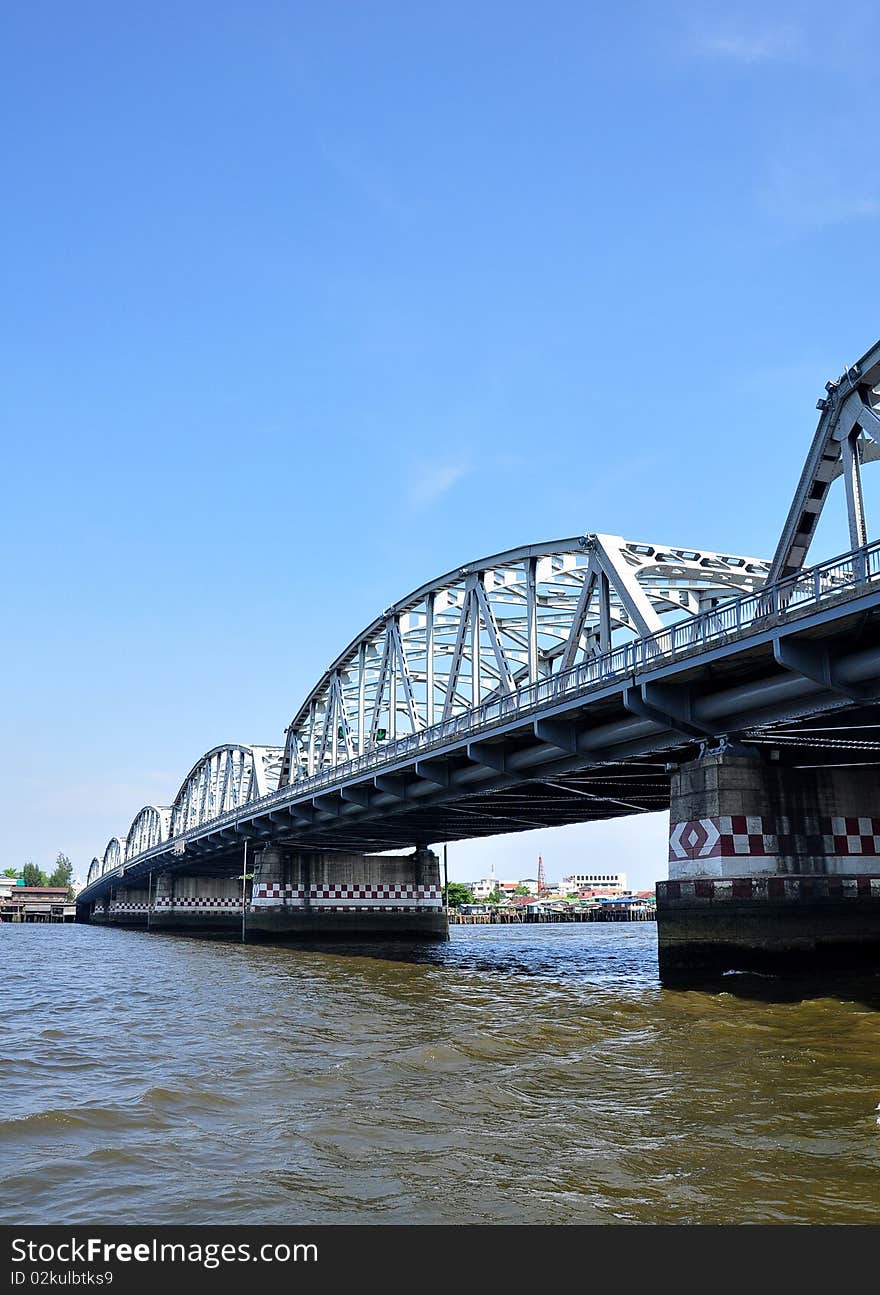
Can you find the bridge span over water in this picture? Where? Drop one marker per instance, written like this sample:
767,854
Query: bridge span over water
561,682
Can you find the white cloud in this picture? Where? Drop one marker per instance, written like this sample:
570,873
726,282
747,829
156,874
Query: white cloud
434,478
776,42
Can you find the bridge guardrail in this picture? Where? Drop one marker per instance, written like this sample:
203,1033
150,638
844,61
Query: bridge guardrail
790,596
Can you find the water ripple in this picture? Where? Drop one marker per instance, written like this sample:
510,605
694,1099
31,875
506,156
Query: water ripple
514,1075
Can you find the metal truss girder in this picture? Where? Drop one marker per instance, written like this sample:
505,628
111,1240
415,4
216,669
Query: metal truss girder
326,804
490,754
846,411
464,623
494,626
484,611
224,778
149,828
248,831
556,733
356,795
608,552
404,676
856,412
666,705
816,662
436,771
391,784
591,581
676,700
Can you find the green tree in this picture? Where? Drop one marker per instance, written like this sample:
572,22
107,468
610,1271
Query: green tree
33,876
458,893
494,898
63,874
10,872
522,890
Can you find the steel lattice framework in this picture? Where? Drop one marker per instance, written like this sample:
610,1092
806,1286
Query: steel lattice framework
149,827
847,435
114,854
225,778
484,630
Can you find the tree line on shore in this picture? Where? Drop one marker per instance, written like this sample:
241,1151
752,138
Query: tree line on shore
61,875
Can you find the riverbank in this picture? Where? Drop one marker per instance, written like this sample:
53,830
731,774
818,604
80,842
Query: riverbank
522,917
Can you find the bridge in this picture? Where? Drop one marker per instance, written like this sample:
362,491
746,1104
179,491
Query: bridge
563,682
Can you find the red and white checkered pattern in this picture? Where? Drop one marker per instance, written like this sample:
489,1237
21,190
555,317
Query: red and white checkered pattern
739,835
853,836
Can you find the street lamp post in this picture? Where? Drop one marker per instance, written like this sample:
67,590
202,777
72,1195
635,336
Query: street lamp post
245,878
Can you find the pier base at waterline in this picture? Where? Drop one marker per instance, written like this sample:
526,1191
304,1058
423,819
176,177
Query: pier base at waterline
770,868
292,893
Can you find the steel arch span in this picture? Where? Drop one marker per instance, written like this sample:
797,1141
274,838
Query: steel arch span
114,855
224,779
847,436
490,627
150,826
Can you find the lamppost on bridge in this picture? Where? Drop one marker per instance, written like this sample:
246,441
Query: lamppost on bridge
244,877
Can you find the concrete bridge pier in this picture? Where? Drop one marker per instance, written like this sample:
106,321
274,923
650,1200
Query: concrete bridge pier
195,903
338,893
770,867
123,907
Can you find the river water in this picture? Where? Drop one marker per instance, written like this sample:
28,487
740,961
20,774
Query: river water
535,1074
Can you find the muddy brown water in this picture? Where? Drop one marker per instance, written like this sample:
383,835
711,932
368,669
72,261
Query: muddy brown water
534,1074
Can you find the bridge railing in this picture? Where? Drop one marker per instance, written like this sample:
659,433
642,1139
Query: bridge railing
835,578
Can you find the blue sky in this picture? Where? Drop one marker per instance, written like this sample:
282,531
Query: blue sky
304,304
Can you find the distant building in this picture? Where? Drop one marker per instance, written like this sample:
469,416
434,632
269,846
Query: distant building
36,904
487,886
579,881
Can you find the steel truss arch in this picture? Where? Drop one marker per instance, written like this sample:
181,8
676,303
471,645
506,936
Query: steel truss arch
150,826
94,871
223,779
847,435
489,627
114,854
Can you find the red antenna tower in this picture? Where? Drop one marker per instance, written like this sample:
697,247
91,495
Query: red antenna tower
541,885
